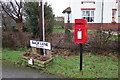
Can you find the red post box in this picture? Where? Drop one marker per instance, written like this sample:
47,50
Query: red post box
80,31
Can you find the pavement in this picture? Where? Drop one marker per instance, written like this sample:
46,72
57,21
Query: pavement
9,71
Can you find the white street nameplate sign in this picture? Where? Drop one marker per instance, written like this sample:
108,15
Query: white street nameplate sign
40,44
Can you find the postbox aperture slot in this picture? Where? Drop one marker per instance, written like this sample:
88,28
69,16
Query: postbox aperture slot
79,23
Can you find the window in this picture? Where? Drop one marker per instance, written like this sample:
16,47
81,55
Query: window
88,15
113,15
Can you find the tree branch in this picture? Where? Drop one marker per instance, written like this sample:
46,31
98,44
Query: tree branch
7,12
19,7
17,3
21,3
13,7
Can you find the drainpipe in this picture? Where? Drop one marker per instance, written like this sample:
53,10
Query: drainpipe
41,24
102,15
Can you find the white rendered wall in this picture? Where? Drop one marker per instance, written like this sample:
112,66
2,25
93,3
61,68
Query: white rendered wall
107,10
98,11
119,12
108,6
76,10
116,7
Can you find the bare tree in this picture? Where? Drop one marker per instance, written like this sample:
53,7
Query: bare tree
14,10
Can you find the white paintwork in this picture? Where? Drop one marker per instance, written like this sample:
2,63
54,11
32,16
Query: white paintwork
40,44
79,35
30,62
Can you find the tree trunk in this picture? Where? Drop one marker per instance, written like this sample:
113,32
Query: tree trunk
67,32
20,26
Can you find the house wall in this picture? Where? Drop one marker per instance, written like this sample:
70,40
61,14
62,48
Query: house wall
98,11
76,6
107,12
119,12
59,18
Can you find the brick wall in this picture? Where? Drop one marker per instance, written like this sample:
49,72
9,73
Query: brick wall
95,26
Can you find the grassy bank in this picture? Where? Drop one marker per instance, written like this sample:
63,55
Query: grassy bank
58,30
10,55
94,66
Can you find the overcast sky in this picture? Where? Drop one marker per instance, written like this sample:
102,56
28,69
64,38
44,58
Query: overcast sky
58,6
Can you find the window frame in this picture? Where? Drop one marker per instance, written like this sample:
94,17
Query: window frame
114,12
88,15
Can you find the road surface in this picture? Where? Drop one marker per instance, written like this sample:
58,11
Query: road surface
12,71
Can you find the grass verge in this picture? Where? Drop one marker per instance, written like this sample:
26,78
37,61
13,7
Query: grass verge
114,38
58,30
72,31
10,55
94,66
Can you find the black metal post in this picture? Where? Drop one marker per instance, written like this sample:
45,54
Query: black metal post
80,57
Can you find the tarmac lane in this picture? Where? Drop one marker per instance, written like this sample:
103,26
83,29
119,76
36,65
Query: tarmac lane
12,71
